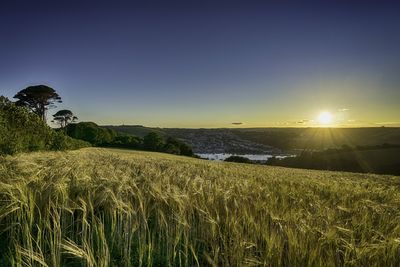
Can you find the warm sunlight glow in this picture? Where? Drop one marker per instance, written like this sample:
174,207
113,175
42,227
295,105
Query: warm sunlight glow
325,118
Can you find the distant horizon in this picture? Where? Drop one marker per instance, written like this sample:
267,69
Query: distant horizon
249,127
209,64
233,125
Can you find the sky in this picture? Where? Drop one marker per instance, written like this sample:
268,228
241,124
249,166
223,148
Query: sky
208,63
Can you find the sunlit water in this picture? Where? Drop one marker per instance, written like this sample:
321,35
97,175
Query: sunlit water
252,157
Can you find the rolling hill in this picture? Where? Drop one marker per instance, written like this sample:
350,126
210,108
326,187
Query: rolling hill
265,140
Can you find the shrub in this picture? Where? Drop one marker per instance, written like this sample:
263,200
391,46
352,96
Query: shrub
238,159
60,141
23,131
153,142
91,132
126,141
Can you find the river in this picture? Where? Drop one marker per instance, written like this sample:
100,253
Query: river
252,157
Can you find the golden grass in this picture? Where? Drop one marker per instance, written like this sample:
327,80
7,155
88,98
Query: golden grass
103,207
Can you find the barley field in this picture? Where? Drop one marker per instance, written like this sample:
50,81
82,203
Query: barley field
104,207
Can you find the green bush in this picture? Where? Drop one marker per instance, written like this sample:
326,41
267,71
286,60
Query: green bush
153,142
127,141
21,130
91,132
24,131
238,159
174,146
61,141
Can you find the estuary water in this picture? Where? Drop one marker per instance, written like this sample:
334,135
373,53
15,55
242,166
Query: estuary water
252,157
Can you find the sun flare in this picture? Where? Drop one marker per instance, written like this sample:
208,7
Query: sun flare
325,118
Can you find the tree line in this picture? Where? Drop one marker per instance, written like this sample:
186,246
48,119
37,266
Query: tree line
104,137
23,128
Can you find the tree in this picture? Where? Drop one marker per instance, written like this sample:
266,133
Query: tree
175,146
64,117
126,141
238,159
38,99
91,132
171,149
153,141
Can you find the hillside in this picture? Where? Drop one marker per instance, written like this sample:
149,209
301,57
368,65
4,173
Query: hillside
102,207
377,159
322,138
267,140
203,140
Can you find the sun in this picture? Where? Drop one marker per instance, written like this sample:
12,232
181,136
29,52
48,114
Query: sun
325,118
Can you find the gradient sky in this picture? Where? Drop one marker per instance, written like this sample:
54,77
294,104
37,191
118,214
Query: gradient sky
208,64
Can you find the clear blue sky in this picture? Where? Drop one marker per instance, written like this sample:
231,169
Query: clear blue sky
208,64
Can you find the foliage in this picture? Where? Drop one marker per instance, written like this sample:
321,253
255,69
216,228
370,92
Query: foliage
120,208
23,131
126,141
153,142
106,137
171,148
177,146
64,117
91,132
38,99
60,141
238,159
136,130
373,159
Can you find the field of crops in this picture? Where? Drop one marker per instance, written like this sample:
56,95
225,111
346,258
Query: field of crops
102,207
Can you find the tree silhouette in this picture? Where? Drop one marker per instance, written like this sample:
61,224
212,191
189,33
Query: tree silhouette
38,99
153,141
64,117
